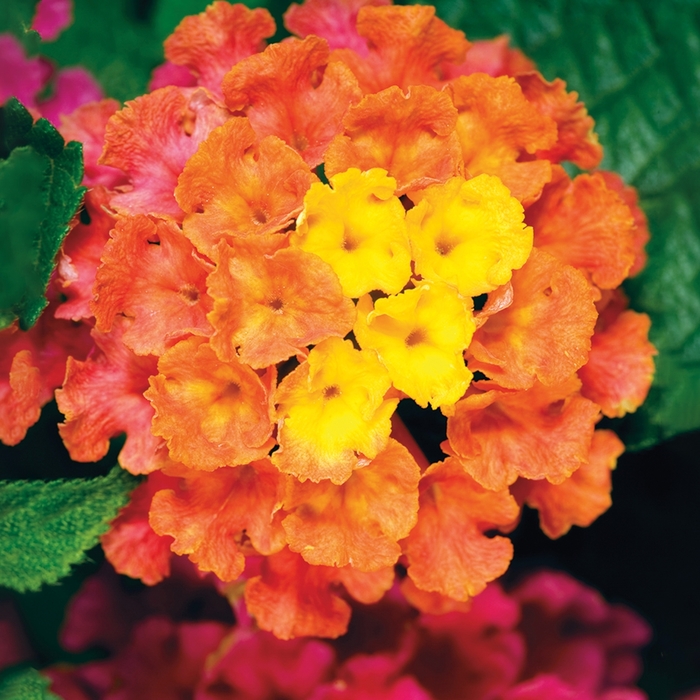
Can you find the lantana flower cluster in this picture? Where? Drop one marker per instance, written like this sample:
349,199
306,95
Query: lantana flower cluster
280,243
548,638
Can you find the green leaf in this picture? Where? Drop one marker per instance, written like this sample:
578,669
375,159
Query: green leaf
636,65
39,194
114,42
16,16
46,526
25,684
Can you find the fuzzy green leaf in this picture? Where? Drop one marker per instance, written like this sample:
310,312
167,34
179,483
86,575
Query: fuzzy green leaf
47,526
25,684
636,65
39,194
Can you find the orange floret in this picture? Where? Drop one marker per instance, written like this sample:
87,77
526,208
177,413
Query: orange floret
358,226
640,231
447,550
541,433
80,255
211,413
468,233
270,307
294,599
406,46
103,397
291,91
333,414
130,545
576,140
545,333
20,398
215,517
359,522
237,187
334,20
494,57
366,586
496,125
420,336
209,43
587,225
151,275
582,497
620,368
151,139
411,136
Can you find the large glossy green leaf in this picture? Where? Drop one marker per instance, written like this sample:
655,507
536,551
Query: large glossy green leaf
636,64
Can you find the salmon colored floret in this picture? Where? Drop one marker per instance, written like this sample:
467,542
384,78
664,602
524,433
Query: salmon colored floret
151,275
420,336
332,412
541,433
268,308
494,57
640,231
80,255
447,550
333,20
130,545
209,43
358,226
411,136
291,598
103,397
406,46
211,413
582,497
545,334
238,187
360,521
216,517
292,92
468,233
620,368
587,225
366,586
576,140
151,139
496,125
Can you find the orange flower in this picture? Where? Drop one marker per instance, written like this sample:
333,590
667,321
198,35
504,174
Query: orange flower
359,522
496,125
151,139
103,397
212,516
209,43
291,91
20,398
545,334
151,275
544,432
587,225
270,307
333,414
447,550
420,336
494,57
411,136
406,46
130,545
582,497
293,599
576,140
211,413
236,187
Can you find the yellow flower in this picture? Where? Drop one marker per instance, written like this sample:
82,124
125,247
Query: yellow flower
332,413
469,234
359,228
420,336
